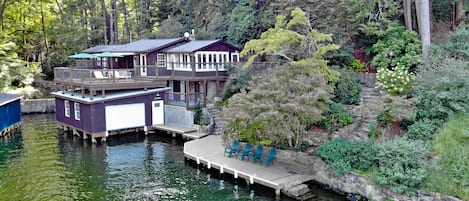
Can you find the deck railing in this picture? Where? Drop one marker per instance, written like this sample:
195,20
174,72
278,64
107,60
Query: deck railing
189,100
75,75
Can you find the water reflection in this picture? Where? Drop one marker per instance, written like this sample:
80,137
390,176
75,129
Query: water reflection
41,164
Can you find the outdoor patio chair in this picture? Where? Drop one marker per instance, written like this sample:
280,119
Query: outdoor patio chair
98,74
269,159
257,155
244,152
233,149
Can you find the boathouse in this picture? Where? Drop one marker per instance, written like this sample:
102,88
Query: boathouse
101,116
10,113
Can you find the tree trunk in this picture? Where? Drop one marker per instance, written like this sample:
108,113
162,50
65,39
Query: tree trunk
140,18
425,27
85,25
103,6
46,41
459,12
408,14
115,26
419,17
126,23
4,5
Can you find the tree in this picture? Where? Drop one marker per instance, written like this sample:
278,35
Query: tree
424,22
278,108
296,42
13,71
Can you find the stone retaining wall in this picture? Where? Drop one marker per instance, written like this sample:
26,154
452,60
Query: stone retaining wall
351,183
31,106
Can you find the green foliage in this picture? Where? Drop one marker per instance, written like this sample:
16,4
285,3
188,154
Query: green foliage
397,56
441,10
450,175
296,42
357,66
285,102
199,117
373,131
399,47
14,73
344,156
373,17
458,46
442,89
342,57
347,89
423,129
335,117
385,117
401,165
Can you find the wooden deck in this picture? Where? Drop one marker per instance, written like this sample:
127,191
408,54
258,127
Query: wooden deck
276,176
187,133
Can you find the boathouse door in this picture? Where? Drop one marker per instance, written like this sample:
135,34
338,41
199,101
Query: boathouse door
125,116
157,112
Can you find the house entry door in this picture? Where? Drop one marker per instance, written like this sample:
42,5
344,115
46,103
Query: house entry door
143,65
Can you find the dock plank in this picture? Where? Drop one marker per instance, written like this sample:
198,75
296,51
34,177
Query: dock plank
174,128
195,135
210,151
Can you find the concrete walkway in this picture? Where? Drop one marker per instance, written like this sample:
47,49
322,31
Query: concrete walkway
210,151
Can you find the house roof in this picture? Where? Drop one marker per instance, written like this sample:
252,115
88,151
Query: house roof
8,98
101,48
148,45
143,45
192,46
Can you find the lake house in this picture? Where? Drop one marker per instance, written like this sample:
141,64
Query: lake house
130,86
10,113
194,70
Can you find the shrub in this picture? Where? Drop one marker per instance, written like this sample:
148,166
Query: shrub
397,81
442,88
344,156
373,131
422,130
401,165
384,117
347,89
335,117
451,172
357,66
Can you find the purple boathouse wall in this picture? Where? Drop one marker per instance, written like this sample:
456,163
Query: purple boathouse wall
93,115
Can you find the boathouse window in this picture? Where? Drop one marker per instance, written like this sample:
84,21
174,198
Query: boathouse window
67,108
77,111
161,60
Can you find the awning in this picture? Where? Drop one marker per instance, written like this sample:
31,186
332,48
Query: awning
82,56
108,54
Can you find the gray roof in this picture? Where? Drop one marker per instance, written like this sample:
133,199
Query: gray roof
191,46
102,48
143,45
7,98
147,45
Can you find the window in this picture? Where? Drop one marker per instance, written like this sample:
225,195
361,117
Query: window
77,111
161,60
67,108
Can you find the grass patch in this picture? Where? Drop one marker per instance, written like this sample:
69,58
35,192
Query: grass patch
450,174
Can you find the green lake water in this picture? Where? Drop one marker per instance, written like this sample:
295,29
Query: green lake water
38,163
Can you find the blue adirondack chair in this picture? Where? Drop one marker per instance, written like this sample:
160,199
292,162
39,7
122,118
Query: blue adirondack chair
257,155
269,159
233,149
244,152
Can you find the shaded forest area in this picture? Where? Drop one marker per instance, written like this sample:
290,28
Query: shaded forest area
46,31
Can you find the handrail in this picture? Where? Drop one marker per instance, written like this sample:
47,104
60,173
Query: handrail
190,100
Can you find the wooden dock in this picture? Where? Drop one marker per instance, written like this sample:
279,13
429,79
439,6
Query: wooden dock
210,152
187,133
